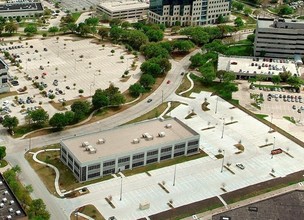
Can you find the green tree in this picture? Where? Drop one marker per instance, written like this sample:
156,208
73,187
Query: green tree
247,11
251,37
220,19
39,116
115,33
125,25
115,22
196,60
117,99
147,80
92,21
295,81
53,30
58,121
2,152
285,10
197,35
154,50
239,22
100,99
285,75
151,68
69,116
103,32
80,109
136,89
38,209
239,6
183,45
155,35
208,73
134,38
11,27
10,122
228,77
276,79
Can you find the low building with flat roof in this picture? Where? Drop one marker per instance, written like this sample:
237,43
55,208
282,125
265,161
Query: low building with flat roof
94,155
4,87
21,9
129,10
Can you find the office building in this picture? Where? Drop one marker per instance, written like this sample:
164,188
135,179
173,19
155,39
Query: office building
129,10
21,9
4,87
187,12
97,154
279,38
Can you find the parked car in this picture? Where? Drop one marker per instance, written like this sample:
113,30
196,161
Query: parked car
241,166
149,100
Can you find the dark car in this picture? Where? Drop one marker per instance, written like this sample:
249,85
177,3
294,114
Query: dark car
149,100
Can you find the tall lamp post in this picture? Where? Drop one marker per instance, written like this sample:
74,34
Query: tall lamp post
223,161
273,146
271,122
216,105
174,177
223,129
120,198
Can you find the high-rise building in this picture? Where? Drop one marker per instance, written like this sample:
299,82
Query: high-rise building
4,87
187,12
279,38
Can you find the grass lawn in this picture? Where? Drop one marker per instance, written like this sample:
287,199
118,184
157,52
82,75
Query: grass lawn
76,15
7,94
240,50
91,211
183,86
67,181
162,164
291,119
3,163
247,19
261,116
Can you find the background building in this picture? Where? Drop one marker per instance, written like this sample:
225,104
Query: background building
187,12
279,38
4,87
22,9
130,10
102,153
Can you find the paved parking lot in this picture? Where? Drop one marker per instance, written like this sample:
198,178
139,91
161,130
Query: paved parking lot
201,178
75,63
257,65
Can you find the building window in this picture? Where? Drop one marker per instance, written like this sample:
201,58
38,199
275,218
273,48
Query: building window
109,163
179,146
166,149
165,157
154,152
179,154
138,164
151,160
93,175
124,159
94,167
192,143
64,150
110,171
192,150
138,156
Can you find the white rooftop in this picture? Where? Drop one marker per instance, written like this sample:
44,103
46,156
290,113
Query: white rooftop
122,6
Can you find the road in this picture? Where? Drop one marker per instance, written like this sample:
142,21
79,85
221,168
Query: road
17,147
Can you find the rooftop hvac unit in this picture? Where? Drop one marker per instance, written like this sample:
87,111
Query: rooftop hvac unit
92,150
18,212
101,141
11,210
88,147
9,217
1,205
85,144
1,183
12,202
168,125
5,192
135,141
161,134
4,199
145,135
149,137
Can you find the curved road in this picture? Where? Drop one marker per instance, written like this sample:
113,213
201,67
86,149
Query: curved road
17,147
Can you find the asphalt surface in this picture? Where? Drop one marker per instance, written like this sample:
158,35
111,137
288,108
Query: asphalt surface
17,147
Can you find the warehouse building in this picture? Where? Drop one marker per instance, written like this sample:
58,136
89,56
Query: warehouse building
129,10
97,154
281,38
188,12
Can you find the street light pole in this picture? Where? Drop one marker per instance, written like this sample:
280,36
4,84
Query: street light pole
216,104
162,96
223,161
174,177
223,128
273,146
120,188
270,122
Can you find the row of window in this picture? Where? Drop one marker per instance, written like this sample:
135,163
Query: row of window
94,167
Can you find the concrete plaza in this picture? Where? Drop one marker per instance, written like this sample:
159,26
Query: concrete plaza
201,178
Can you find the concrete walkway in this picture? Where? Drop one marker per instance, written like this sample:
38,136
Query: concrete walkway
191,87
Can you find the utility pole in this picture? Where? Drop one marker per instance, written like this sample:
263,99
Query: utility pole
120,188
174,177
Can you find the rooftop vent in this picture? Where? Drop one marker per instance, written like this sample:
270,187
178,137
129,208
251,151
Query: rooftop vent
4,199
1,205
168,125
161,134
12,202
85,144
91,149
18,212
135,141
101,141
11,210
147,136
